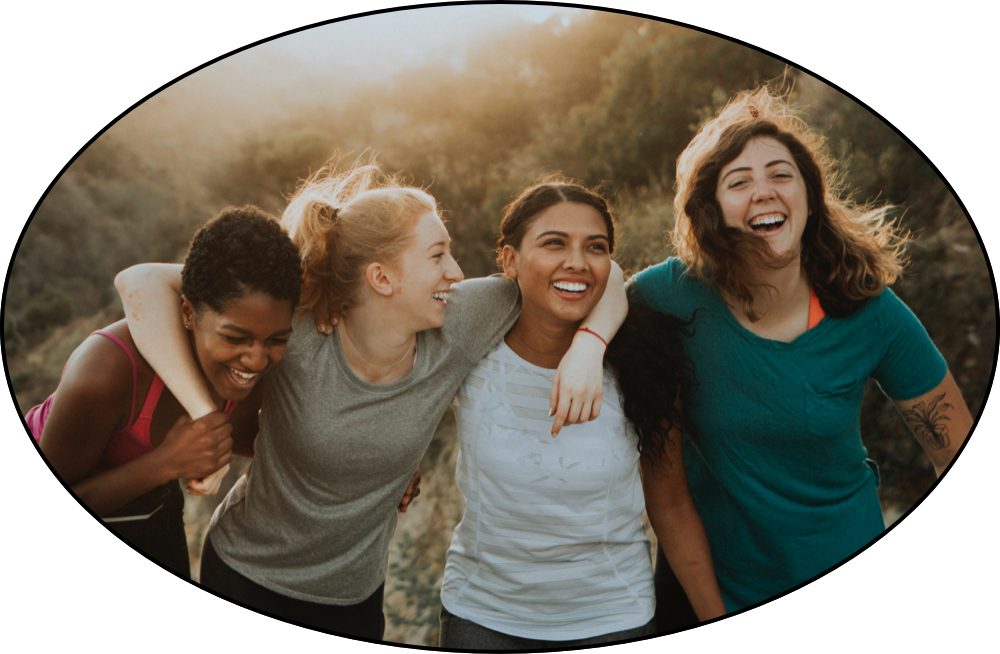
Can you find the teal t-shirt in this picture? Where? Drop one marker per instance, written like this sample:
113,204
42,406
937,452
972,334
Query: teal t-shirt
778,470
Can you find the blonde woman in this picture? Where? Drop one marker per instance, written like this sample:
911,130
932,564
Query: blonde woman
304,536
788,286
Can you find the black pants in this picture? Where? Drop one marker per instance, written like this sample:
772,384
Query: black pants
161,535
673,610
363,620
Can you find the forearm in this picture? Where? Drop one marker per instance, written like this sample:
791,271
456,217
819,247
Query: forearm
150,294
107,491
682,537
609,313
940,421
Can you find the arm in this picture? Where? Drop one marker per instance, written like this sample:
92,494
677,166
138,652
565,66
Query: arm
94,399
150,294
578,387
679,529
939,420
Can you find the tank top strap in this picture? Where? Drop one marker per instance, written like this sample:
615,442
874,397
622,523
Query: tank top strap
152,398
230,407
135,369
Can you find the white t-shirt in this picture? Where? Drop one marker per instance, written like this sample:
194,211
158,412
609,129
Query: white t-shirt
551,545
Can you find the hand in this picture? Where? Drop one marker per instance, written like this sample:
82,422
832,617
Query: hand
412,490
325,325
194,449
578,386
207,485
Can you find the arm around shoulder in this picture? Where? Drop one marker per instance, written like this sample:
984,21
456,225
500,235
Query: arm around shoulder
150,294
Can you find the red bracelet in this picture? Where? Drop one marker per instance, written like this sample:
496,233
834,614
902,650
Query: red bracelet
591,331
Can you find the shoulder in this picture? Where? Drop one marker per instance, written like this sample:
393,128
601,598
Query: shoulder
100,371
495,289
667,287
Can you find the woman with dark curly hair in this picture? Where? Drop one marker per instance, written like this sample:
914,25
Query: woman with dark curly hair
121,440
788,285
305,535
551,550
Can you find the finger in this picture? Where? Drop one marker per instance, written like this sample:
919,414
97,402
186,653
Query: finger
562,411
554,397
595,410
583,415
213,420
573,416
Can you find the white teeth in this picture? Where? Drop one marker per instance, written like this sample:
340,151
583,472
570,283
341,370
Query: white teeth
442,295
244,375
767,220
570,287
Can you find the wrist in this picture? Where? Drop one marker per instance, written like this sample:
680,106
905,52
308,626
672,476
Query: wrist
586,334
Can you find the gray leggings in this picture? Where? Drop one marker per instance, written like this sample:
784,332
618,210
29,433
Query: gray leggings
459,633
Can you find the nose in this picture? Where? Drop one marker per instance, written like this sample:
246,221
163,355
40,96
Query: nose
575,259
762,190
255,358
452,271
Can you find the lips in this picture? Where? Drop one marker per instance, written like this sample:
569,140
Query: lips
441,296
569,290
767,222
241,379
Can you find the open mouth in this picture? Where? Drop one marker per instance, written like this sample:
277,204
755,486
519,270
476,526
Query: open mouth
242,379
767,223
575,288
441,296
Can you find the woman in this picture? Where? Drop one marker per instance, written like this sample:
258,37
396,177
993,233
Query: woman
305,535
120,440
788,284
551,550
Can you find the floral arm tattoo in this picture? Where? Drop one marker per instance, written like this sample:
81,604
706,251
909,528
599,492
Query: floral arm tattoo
926,420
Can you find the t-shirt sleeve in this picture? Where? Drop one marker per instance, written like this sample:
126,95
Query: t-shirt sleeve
652,288
480,311
910,364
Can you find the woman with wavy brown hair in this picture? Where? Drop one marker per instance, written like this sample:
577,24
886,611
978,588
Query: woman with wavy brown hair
788,285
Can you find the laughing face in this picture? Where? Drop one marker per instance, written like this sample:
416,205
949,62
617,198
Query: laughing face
426,272
235,347
762,192
562,264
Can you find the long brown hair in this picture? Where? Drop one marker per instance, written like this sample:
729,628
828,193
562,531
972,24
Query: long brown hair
849,252
343,221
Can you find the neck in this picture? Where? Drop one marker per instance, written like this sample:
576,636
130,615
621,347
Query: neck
376,349
541,341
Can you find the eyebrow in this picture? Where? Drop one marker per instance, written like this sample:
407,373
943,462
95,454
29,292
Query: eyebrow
230,326
441,243
565,235
742,168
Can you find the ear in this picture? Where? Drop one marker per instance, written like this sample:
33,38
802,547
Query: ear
509,256
187,313
380,278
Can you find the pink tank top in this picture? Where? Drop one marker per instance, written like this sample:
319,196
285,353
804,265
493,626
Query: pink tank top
129,443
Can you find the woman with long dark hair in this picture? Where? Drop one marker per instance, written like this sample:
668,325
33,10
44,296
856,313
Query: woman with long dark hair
551,550
788,287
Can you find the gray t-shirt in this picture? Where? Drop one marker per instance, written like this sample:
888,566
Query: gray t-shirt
313,517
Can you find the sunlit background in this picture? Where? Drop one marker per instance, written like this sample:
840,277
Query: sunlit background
472,102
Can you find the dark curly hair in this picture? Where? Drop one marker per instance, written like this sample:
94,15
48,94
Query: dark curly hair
647,356
239,251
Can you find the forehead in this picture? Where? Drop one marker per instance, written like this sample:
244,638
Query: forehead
759,152
569,217
429,229
254,311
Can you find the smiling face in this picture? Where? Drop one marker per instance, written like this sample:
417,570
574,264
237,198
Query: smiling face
426,272
562,264
235,347
762,192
